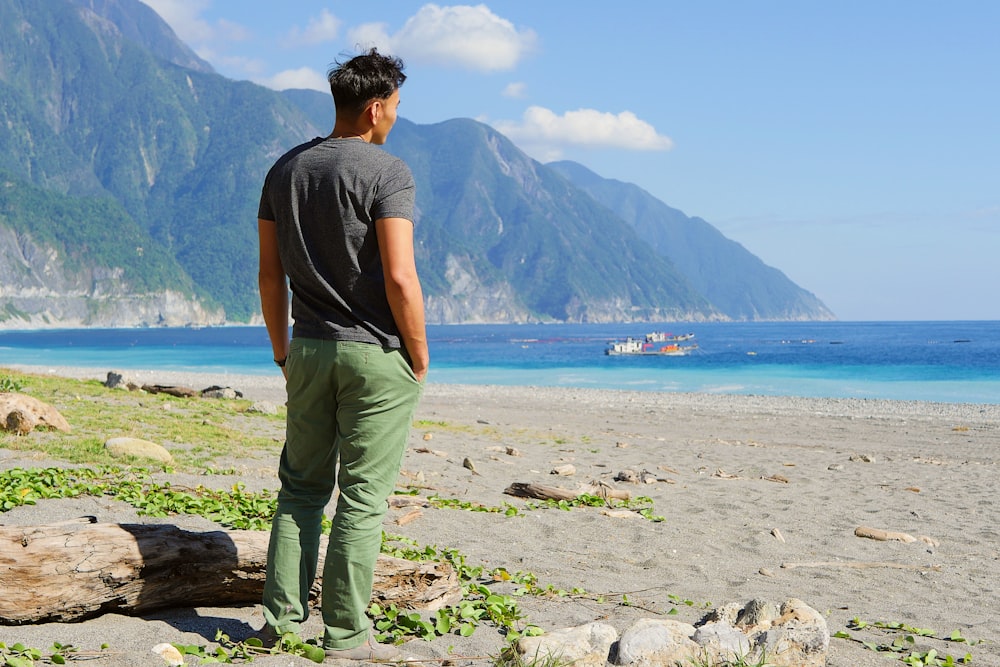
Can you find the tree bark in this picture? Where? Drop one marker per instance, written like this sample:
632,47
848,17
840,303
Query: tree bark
543,492
78,570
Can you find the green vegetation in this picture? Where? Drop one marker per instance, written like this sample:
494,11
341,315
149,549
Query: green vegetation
91,233
19,655
10,384
221,430
199,433
903,643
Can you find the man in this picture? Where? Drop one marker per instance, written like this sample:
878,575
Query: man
335,218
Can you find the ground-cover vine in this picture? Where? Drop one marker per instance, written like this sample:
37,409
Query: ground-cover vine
641,505
480,605
19,655
241,509
903,642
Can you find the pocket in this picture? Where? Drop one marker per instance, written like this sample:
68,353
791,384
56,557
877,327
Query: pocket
405,359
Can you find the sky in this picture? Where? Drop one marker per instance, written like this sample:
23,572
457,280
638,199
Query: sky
853,145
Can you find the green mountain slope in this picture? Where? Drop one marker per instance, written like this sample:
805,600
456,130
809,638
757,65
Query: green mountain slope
737,282
115,136
566,256
183,151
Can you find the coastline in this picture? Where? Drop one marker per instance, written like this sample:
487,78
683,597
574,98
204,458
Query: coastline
271,388
729,474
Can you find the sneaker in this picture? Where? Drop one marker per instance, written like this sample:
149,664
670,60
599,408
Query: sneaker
370,651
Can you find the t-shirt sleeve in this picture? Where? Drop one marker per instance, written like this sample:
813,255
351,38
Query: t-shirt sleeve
264,210
396,193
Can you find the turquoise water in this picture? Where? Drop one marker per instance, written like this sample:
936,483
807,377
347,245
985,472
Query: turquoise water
932,361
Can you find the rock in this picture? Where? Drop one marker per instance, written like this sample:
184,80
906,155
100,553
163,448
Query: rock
19,422
722,643
798,638
264,408
627,476
652,642
33,413
139,448
633,477
566,470
117,380
221,392
169,653
792,635
583,646
757,614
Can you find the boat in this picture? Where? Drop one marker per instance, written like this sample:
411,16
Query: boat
663,337
655,343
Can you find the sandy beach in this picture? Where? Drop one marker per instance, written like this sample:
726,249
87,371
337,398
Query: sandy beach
760,496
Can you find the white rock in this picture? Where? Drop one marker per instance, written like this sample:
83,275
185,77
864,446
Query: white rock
139,448
583,646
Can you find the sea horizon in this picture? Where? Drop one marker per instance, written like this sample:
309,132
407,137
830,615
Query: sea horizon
938,361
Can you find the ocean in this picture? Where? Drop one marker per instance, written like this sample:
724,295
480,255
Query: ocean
952,362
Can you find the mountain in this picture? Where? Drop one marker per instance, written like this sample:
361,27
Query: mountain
734,280
89,112
130,173
138,23
496,221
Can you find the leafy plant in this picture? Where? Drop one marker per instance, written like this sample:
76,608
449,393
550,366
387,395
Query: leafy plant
642,505
19,655
741,661
9,384
904,643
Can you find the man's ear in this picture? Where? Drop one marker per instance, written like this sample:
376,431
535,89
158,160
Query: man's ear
374,111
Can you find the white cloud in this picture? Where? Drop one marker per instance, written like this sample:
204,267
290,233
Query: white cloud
371,35
517,89
184,16
303,77
544,130
208,39
324,28
231,32
472,37
252,67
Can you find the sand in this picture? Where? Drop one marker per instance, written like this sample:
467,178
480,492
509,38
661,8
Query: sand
760,496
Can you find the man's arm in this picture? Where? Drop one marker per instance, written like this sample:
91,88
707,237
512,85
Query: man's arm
402,288
273,287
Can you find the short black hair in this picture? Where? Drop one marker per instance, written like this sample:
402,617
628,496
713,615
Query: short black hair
369,76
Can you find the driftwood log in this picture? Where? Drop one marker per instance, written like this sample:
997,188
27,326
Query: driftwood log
77,570
543,492
170,390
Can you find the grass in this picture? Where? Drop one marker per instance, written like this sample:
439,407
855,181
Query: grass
200,433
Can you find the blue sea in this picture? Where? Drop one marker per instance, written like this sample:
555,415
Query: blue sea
955,362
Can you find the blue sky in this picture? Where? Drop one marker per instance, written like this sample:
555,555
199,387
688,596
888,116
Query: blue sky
854,145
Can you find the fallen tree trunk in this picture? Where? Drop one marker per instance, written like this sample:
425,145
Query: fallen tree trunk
78,570
543,492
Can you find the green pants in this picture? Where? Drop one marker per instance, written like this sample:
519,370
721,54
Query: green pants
349,404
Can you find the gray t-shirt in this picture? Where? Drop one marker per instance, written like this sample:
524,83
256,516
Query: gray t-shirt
325,196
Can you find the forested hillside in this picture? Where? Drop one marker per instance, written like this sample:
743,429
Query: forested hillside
123,154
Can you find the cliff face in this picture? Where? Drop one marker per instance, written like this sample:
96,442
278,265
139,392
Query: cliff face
130,175
37,291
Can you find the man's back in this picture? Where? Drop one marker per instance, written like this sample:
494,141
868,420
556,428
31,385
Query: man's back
325,197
